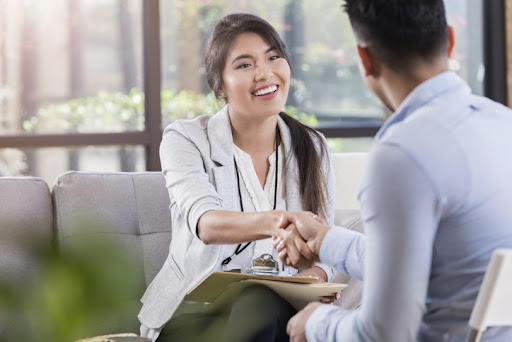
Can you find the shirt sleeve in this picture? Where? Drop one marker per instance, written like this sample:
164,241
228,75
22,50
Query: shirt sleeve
343,249
189,185
401,210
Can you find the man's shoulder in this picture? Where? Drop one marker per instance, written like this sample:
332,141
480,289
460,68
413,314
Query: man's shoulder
439,122
440,136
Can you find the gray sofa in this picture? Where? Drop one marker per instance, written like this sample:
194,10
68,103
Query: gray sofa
128,208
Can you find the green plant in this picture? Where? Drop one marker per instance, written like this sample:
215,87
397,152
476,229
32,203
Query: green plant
187,105
105,112
68,295
121,112
307,119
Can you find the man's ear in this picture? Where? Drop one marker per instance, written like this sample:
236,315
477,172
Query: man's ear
451,40
368,61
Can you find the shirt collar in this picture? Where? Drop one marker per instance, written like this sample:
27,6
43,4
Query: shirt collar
421,95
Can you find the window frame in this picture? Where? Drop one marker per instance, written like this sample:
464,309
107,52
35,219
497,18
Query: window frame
495,87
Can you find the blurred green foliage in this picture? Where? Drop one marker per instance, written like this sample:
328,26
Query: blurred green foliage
121,112
105,112
82,292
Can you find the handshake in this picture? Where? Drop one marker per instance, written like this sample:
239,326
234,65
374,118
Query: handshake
299,238
298,241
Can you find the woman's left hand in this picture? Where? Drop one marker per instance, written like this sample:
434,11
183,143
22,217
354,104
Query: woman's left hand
320,274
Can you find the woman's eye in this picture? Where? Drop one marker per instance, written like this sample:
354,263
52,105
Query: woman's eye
273,58
243,66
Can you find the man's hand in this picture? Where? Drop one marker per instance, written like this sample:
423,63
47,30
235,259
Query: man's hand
296,327
311,229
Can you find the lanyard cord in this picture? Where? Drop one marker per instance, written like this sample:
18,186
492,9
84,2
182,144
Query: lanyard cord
239,249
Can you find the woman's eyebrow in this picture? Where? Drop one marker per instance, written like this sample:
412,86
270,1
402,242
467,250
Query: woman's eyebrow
241,57
272,48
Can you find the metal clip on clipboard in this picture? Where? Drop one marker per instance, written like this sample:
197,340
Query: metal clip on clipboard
264,265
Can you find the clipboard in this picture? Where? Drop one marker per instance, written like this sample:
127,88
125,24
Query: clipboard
300,295
297,290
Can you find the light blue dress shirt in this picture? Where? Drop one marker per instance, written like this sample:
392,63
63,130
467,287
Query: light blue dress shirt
436,199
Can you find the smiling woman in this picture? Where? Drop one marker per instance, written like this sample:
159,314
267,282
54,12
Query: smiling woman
256,78
230,176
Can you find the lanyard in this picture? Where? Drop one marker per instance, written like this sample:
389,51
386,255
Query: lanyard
239,249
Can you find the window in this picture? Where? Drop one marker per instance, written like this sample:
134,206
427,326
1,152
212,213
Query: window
325,77
468,58
69,66
89,84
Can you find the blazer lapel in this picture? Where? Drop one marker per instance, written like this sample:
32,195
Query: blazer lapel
222,152
221,138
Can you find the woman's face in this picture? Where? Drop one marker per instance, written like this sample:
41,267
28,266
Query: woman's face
256,78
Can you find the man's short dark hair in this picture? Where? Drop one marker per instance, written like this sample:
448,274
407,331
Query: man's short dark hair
400,32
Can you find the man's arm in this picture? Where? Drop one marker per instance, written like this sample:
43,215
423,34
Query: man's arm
401,210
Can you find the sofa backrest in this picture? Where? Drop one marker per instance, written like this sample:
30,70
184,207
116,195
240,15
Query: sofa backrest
25,217
130,211
348,170
132,208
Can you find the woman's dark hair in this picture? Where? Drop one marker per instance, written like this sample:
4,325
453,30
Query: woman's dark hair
312,181
400,32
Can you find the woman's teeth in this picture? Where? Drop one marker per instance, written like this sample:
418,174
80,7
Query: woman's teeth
265,91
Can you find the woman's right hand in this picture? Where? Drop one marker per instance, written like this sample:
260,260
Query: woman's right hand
292,248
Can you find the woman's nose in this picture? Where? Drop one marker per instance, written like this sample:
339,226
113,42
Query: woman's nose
263,72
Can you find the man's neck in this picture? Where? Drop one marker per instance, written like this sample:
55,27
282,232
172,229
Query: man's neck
397,86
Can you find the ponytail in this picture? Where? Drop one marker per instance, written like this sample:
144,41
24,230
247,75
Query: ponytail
312,180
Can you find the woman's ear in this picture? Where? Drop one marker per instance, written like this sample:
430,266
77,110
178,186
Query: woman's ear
222,92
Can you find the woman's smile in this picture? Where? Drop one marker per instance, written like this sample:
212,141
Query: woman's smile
267,92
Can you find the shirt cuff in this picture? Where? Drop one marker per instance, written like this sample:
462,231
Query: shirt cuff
317,325
328,271
149,333
343,250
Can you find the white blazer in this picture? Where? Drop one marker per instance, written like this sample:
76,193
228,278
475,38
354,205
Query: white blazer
197,162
